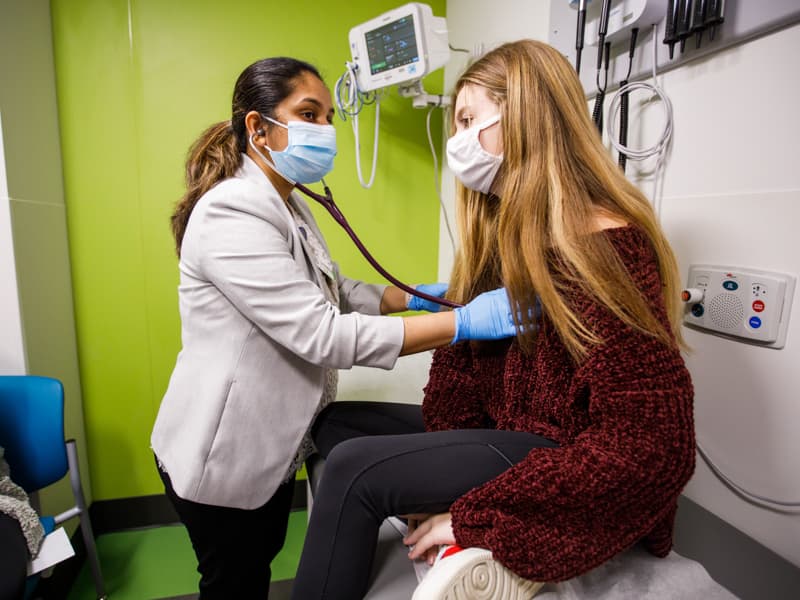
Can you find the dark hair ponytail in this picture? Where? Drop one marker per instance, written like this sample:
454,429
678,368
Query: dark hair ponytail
217,154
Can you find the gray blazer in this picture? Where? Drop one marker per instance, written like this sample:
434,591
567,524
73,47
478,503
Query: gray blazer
257,334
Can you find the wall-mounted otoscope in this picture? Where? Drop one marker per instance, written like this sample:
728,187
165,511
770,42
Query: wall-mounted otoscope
674,8
603,52
698,21
602,31
684,22
327,202
714,17
687,18
624,101
580,31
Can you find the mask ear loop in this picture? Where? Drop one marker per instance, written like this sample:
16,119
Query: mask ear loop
264,158
481,127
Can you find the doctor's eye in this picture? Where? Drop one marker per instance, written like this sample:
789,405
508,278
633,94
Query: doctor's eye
465,122
308,114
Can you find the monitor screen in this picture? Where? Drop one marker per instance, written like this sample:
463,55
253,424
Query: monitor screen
392,45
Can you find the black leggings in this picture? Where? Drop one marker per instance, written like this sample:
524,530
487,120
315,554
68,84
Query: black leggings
369,477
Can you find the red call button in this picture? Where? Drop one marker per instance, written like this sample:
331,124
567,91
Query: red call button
758,305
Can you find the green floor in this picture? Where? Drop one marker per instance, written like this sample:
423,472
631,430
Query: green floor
159,563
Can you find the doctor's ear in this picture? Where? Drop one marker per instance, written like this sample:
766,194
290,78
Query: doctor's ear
254,124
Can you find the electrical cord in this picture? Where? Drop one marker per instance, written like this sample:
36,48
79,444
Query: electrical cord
351,101
437,178
791,507
354,123
457,49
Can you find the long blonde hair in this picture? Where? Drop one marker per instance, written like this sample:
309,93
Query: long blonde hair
534,237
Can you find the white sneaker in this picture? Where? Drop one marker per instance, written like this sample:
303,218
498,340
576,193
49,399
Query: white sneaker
472,574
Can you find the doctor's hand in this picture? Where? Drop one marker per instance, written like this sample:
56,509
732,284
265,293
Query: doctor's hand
487,317
432,289
429,534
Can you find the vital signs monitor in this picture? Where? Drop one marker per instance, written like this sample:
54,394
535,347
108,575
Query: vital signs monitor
398,47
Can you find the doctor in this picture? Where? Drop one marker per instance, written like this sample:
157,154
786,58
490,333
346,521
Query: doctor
266,320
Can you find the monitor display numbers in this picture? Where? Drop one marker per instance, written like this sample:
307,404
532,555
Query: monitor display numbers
392,45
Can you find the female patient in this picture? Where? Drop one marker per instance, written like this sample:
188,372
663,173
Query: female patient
545,456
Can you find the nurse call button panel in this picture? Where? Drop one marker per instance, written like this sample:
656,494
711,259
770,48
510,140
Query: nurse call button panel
747,304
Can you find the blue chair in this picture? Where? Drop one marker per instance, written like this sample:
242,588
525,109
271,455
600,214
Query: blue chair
32,433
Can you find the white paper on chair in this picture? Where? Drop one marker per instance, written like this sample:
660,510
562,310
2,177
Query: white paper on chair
55,548
421,567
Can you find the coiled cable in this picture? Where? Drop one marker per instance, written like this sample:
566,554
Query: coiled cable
661,144
600,98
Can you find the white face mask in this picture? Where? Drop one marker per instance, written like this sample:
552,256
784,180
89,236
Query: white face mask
467,159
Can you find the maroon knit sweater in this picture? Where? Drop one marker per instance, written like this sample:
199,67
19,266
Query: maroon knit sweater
623,419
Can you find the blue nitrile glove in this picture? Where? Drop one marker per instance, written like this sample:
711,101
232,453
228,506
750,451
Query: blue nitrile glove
487,317
432,289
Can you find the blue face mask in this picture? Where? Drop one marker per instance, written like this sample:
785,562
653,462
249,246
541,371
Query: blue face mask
308,156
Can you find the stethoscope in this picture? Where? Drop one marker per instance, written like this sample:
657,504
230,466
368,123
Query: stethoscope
329,204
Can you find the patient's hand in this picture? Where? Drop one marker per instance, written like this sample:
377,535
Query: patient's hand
430,531
413,522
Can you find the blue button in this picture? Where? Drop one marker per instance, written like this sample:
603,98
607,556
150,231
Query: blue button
730,285
755,322
698,310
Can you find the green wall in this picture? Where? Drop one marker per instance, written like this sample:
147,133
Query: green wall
137,82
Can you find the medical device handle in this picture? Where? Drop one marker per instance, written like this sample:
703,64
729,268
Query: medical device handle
579,34
330,206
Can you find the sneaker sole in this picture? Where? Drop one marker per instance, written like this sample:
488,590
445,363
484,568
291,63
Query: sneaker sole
478,577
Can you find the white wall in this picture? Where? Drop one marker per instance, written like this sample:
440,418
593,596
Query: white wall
731,195
12,350
402,384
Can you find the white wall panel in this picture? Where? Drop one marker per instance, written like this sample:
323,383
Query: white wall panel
12,349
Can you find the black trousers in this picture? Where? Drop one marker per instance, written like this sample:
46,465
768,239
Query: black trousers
369,477
234,547
13,559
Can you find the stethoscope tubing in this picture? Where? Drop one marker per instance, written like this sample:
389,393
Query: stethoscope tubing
329,204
